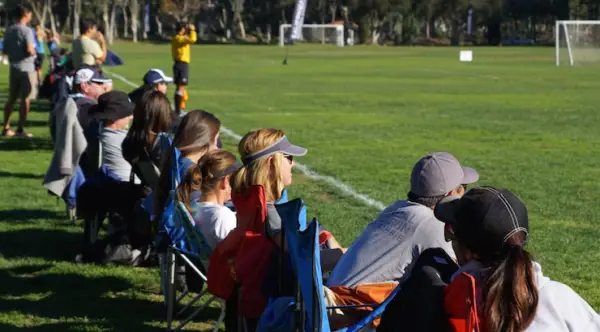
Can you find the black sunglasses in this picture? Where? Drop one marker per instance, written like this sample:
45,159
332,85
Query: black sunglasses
289,158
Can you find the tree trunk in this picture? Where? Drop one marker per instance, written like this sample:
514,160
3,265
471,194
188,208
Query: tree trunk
52,20
67,25
134,10
113,22
107,28
76,13
332,10
125,22
39,11
158,25
268,33
146,23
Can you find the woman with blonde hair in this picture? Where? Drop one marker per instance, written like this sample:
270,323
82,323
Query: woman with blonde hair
255,259
211,177
268,158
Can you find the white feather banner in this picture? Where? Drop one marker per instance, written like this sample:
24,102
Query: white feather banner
298,21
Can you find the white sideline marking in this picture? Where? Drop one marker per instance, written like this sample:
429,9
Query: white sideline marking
305,170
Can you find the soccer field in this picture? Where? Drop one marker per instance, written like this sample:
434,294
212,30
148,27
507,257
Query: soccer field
366,114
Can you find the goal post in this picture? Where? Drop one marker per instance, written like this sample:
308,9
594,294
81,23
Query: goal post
315,33
577,42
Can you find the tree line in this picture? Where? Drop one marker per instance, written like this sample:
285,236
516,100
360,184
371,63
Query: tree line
398,22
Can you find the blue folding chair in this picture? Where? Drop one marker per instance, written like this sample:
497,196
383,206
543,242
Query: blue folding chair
182,241
307,311
195,256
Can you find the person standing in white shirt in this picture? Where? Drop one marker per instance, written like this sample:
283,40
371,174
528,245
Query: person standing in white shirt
211,177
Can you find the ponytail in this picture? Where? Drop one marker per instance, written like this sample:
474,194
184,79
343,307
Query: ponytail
510,293
204,176
190,183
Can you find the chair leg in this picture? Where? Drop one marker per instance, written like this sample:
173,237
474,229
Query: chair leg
164,281
170,294
193,314
221,316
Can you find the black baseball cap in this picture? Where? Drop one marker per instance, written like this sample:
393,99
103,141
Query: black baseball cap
113,105
484,218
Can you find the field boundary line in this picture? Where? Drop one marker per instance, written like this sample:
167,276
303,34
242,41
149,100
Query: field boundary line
304,169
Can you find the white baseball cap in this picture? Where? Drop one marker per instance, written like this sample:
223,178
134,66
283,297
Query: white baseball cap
85,75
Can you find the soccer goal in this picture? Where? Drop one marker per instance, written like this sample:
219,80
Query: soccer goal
315,33
577,42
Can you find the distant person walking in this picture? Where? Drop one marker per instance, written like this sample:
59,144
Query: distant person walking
19,45
86,50
180,50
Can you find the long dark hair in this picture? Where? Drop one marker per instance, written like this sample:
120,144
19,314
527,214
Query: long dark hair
151,115
510,292
204,175
196,133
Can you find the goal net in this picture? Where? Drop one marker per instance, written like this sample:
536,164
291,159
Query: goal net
577,42
314,33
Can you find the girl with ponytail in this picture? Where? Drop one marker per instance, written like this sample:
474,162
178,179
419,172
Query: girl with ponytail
489,228
210,177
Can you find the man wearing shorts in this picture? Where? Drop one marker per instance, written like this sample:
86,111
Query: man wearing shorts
19,45
180,50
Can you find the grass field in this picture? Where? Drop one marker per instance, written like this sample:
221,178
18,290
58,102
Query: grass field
366,114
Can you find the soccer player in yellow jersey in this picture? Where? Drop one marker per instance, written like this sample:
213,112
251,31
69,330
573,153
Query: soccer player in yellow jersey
180,50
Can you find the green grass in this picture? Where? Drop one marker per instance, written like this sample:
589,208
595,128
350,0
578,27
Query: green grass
366,114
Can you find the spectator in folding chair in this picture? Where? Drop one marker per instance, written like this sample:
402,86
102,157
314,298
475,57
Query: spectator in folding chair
499,287
142,146
212,221
211,177
268,160
114,111
88,85
386,251
197,135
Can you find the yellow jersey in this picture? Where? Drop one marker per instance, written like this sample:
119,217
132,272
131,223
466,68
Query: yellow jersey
180,46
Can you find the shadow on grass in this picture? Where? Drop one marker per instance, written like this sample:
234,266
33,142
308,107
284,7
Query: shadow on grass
72,295
37,123
103,301
28,215
5,174
49,244
25,144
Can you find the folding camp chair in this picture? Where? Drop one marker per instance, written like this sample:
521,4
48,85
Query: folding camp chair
91,227
308,307
194,254
181,242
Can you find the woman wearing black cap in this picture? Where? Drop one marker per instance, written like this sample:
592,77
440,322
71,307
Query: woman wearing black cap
488,228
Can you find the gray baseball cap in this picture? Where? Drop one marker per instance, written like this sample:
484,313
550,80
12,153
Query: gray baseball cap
439,173
283,145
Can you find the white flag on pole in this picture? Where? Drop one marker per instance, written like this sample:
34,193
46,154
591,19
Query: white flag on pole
298,21
470,22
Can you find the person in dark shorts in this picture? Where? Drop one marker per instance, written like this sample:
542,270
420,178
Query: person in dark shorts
180,51
19,45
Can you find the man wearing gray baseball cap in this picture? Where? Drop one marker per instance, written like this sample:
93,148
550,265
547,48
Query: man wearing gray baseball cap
386,250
